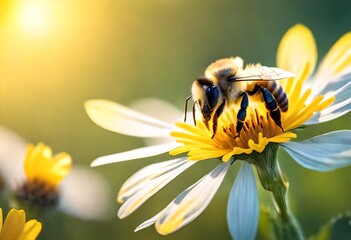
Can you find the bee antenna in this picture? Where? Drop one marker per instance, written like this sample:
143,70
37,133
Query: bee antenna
186,106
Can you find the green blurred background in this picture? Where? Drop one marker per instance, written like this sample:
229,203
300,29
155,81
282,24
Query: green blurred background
54,55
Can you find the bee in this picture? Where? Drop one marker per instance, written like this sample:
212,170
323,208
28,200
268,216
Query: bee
226,81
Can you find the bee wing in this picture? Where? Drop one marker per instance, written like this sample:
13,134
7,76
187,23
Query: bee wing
263,73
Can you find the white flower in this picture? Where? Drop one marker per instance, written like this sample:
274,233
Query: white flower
296,53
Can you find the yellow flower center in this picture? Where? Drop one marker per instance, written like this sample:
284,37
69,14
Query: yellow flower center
259,129
36,193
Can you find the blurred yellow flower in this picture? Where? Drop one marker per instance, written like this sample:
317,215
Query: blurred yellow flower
40,180
44,172
40,165
15,226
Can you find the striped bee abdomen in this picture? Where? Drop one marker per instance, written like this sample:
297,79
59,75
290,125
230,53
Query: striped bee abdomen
278,93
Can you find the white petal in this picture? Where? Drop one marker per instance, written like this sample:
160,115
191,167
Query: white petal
192,202
157,140
147,223
141,179
324,152
330,113
342,104
243,209
86,195
138,153
336,60
169,114
118,118
331,84
12,154
339,107
342,93
146,182
159,109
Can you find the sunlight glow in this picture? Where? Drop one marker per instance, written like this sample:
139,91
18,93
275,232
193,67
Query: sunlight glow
34,16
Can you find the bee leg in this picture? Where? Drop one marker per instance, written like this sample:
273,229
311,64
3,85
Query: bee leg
215,118
194,113
206,124
242,113
186,107
256,89
272,107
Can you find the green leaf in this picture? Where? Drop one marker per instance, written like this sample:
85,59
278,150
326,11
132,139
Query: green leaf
265,224
338,228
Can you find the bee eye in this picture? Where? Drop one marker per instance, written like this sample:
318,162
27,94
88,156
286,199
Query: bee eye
231,78
212,96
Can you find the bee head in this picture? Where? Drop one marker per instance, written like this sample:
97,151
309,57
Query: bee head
206,94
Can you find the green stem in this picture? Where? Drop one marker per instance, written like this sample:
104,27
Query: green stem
272,180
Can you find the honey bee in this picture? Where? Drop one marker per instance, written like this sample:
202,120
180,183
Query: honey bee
226,81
